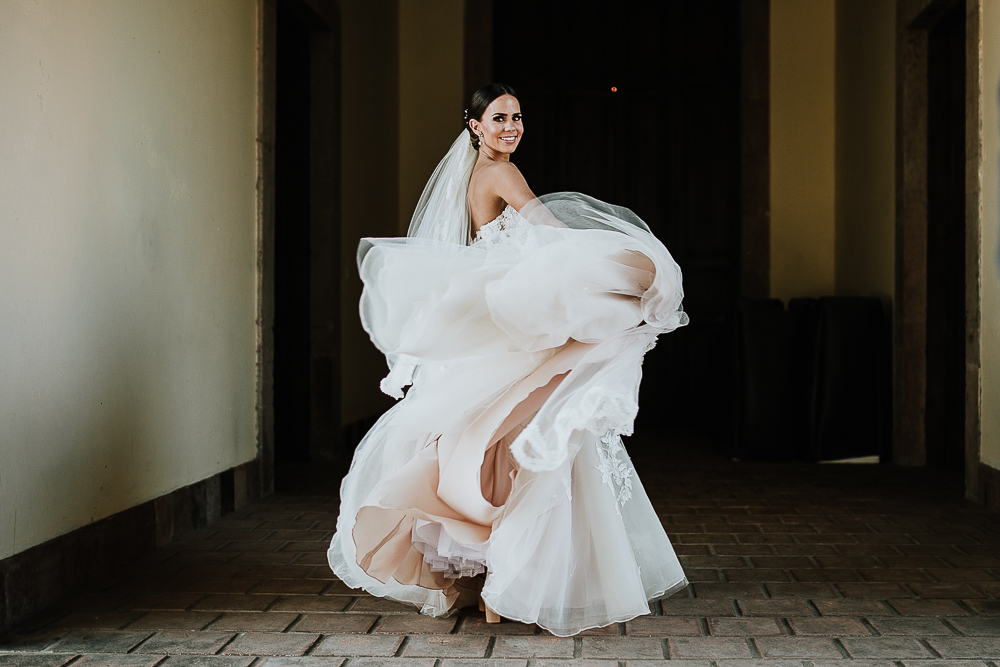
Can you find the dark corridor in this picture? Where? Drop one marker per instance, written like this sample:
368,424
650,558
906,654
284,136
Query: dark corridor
641,108
292,398
946,240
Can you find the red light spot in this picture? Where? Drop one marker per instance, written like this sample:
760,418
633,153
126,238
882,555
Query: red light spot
614,89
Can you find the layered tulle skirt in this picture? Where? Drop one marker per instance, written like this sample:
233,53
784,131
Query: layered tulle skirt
501,473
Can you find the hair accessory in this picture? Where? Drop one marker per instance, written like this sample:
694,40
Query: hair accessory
466,115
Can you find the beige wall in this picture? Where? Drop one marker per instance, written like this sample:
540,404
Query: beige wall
866,149
127,213
990,346
430,92
802,148
402,108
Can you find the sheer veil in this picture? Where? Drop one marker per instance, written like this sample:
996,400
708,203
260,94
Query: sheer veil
442,214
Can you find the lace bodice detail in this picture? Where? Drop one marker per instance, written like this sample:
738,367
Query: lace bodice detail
507,227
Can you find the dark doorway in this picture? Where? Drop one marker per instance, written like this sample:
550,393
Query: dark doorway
292,398
946,240
638,104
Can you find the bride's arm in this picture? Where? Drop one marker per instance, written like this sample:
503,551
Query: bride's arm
510,186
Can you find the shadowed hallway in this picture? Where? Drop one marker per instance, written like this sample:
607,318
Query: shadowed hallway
788,562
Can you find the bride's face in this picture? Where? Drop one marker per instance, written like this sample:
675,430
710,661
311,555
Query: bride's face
501,125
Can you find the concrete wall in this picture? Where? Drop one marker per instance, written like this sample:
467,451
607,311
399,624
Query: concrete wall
127,213
865,149
802,148
832,148
990,343
402,108
430,92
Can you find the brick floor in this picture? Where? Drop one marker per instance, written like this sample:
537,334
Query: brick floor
793,565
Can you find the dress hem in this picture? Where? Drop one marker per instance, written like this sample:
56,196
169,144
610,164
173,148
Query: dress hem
683,583
428,610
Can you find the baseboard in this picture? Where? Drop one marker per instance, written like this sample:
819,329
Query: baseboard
40,576
989,487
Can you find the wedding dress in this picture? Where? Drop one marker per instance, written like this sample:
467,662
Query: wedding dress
504,458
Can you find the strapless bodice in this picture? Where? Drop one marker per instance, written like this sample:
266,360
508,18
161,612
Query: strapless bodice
508,226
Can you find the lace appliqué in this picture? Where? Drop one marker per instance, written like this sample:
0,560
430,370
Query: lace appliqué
506,227
617,474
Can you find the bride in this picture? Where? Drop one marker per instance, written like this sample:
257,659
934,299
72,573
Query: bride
521,323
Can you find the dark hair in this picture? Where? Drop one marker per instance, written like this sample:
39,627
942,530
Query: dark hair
481,100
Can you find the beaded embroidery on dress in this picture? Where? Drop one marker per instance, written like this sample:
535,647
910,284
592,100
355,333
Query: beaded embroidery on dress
508,227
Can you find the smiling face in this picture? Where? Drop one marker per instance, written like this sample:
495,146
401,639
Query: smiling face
501,127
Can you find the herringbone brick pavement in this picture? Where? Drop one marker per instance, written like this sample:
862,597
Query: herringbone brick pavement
792,565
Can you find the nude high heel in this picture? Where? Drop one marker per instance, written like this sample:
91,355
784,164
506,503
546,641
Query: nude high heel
491,616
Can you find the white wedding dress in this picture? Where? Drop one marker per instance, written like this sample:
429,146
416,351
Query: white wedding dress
504,458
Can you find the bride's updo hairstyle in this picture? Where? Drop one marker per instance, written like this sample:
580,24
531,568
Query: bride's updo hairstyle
481,100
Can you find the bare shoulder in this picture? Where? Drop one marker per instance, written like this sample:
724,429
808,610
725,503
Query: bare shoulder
504,180
501,172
